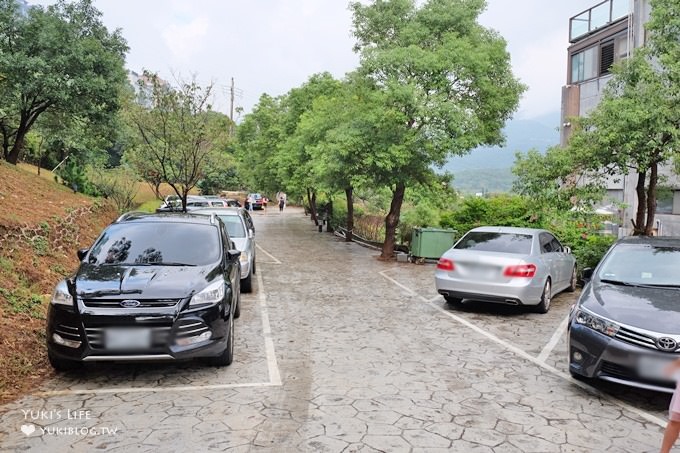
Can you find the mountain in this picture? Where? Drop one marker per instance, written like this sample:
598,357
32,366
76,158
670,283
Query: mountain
488,169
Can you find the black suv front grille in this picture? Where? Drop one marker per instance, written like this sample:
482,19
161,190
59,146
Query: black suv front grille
159,336
68,332
143,303
629,374
190,328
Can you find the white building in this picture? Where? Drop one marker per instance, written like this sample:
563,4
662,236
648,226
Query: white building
600,36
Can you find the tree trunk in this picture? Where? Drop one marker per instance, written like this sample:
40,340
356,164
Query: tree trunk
13,156
639,224
311,198
391,222
329,216
349,194
651,198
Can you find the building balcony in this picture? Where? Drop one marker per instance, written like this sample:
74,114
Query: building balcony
597,17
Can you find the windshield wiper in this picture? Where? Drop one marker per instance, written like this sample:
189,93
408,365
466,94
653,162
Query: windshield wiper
164,263
616,282
661,286
639,285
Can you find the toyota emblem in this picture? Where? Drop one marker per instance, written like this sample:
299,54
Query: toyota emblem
666,344
130,303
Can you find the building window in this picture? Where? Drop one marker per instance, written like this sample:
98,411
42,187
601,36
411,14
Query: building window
606,57
597,61
584,65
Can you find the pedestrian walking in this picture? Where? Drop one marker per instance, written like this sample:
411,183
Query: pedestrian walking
282,204
673,426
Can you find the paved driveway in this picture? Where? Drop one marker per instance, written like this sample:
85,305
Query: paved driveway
339,352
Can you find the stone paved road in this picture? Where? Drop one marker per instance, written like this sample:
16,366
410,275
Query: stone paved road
338,352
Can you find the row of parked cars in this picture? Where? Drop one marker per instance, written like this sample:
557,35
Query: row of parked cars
625,326
172,203
164,286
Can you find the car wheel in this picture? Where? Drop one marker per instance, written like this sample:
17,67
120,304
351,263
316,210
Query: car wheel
63,364
227,356
237,310
574,280
454,301
544,305
247,284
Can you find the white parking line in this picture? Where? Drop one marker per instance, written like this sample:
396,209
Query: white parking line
525,355
548,349
276,261
175,388
272,366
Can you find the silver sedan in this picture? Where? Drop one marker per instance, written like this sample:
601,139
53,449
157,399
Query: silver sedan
513,266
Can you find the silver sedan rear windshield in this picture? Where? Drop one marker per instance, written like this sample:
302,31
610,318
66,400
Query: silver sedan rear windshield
496,242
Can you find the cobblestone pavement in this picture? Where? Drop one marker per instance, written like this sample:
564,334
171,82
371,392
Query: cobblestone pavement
339,352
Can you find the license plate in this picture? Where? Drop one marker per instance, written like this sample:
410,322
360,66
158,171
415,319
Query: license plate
127,338
650,367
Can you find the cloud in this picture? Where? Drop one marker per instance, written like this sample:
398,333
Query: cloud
182,39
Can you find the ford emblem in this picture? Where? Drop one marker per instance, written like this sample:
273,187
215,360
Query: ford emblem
129,303
666,344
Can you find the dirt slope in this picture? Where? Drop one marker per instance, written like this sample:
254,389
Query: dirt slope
42,224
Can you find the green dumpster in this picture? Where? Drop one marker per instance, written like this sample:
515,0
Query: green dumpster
431,242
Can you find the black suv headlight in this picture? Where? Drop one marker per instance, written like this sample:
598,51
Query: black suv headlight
595,322
211,294
61,296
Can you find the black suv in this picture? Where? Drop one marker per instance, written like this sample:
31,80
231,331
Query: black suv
152,287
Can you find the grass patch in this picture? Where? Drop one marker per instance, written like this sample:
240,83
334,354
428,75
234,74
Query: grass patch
148,206
23,301
6,265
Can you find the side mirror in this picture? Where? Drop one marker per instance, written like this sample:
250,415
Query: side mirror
567,249
251,234
233,254
82,253
587,274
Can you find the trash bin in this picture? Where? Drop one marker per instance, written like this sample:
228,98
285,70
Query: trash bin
431,242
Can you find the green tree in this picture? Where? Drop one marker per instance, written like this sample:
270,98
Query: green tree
445,85
257,140
635,128
556,181
58,60
174,136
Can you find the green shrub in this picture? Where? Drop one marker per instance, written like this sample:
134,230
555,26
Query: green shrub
24,301
40,245
501,210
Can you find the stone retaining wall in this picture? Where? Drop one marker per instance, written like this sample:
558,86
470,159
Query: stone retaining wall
57,234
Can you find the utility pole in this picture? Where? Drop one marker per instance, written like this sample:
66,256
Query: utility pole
231,109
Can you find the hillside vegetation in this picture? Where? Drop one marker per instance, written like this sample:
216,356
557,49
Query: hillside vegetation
42,224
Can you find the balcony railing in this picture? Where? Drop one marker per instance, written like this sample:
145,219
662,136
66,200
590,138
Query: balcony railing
597,17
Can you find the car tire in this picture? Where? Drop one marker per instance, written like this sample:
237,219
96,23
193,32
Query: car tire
254,266
247,284
546,297
63,364
454,301
227,356
573,282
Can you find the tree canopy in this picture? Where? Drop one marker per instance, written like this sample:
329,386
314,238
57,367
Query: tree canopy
59,60
446,84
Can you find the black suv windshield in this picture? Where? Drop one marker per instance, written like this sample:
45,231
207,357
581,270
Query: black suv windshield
152,243
496,242
642,265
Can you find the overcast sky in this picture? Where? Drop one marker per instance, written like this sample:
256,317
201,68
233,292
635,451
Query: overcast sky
270,46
